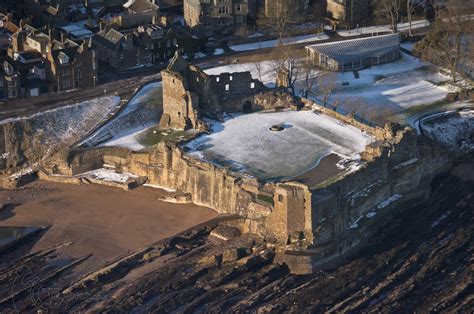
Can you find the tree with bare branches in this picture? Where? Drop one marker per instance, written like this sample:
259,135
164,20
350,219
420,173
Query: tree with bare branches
447,44
326,85
389,10
309,76
410,10
288,60
280,17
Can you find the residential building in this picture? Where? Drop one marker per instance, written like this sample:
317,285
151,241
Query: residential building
348,11
136,13
10,80
71,65
356,54
142,46
208,16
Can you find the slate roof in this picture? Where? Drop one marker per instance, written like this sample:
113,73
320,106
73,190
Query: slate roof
71,52
142,6
356,49
109,38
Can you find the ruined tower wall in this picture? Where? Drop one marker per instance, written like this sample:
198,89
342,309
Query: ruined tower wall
175,101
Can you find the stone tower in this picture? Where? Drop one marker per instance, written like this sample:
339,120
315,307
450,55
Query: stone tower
179,104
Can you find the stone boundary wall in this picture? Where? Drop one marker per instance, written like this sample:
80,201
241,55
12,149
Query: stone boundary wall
346,119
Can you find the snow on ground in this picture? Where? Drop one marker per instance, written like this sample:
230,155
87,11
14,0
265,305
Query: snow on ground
440,219
267,73
97,106
454,129
61,127
275,42
129,140
374,30
65,125
218,52
108,175
407,45
389,200
141,112
397,85
245,143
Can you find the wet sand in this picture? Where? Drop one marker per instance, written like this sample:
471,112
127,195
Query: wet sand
106,222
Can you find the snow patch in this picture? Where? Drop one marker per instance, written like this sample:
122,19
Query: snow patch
370,214
355,224
440,219
275,42
388,201
108,175
155,186
406,163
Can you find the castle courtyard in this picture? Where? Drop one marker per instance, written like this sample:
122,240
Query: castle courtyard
246,143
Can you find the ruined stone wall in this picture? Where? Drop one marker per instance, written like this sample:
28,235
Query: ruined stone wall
227,92
397,169
166,166
396,164
179,104
403,172
291,216
188,92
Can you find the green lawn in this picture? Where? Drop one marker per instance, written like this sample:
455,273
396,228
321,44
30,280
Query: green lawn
155,135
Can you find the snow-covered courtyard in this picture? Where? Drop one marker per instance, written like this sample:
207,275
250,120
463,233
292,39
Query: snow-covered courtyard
245,143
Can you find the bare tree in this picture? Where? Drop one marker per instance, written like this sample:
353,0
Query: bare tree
258,68
389,10
280,16
326,85
288,59
447,44
380,116
309,76
410,10
357,106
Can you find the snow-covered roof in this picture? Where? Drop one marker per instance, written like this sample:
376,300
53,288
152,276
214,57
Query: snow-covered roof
355,49
77,31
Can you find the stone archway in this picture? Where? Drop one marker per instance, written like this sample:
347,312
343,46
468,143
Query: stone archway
247,107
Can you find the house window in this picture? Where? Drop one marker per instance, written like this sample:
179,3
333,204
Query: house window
78,73
252,85
66,84
230,78
280,198
227,87
218,79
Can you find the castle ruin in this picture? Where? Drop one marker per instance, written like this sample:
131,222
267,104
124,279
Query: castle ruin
188,91
316,218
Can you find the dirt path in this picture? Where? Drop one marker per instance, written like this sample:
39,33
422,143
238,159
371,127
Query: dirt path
104,221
